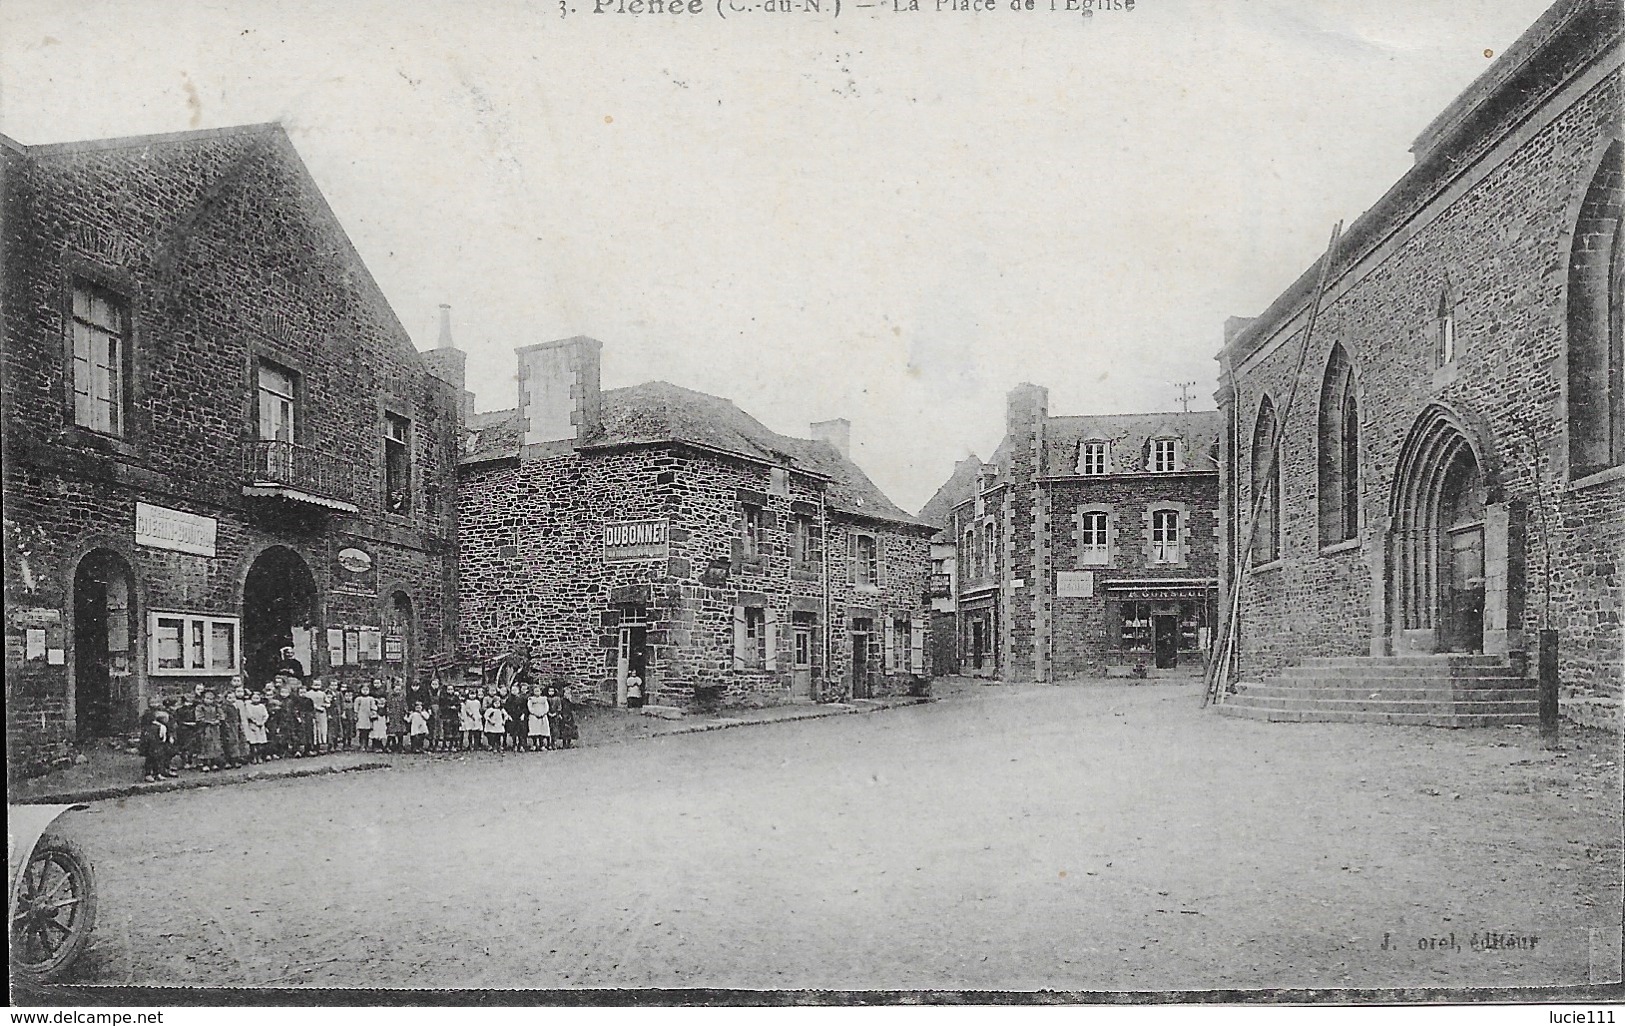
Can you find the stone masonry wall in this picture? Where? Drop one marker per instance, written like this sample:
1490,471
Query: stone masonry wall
533,573
223,252
1498,251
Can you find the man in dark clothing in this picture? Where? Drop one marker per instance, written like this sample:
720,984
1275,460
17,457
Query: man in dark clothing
290,665
518,729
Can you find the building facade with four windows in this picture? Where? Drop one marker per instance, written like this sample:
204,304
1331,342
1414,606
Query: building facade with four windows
1087,543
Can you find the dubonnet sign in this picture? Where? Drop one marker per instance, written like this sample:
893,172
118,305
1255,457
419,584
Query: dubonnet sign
642,539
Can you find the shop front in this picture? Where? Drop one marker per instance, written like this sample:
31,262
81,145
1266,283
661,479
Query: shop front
1163,626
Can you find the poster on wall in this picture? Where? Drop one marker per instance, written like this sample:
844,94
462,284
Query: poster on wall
355,572
335,646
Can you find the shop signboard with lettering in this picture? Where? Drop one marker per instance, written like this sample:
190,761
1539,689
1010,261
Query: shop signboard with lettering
642,539
158,527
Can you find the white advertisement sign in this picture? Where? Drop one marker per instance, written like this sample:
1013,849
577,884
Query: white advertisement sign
159,527
1075,584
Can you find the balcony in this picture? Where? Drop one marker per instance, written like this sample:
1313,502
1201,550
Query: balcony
298,474
942,586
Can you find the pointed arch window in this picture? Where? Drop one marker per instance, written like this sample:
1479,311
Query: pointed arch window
1339,437
1265,493
1596,360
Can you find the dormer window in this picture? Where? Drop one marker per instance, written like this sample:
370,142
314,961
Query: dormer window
1092,458
1164,455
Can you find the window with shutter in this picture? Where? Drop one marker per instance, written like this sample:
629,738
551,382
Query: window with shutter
916,646
887,653
771,644
739,637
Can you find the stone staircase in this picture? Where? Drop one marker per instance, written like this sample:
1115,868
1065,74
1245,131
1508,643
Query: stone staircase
1420,690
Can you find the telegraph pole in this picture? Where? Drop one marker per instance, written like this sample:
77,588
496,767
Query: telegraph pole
1185,394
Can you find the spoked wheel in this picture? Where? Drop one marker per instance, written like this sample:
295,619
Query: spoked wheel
55,911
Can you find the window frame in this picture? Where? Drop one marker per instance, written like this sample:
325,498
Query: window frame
753,529
1094,553
866,568
1165,446
1091,450
755,637
119,404
1169,536
402,446
207,622
290,399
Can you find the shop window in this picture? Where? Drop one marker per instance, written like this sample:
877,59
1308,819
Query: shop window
100,360
397,463
185,643
1094,542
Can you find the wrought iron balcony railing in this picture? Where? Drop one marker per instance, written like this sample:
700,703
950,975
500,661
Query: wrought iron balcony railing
299,473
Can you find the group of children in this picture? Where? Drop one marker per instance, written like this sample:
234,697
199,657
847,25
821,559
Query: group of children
292,719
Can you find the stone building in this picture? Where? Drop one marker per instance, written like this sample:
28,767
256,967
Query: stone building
960,486
664,532
1088,543
1452,469
218,438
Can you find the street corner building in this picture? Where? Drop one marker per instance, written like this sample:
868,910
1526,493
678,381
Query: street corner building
1087,545
1451,477
219,441
662,532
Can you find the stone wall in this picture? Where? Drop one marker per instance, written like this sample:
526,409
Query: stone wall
223,251
1491,243
532,571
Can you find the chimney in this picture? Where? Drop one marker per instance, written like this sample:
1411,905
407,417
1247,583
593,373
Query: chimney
837,432
445,327
449,364
559,402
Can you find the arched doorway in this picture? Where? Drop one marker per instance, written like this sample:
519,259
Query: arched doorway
105,695
400,650
1439,505
279,608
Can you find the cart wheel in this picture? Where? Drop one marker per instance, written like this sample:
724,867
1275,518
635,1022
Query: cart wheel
55,911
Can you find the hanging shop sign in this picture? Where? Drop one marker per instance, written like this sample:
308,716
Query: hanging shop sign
641,539
158,527
355,572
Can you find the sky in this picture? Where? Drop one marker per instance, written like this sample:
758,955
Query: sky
889,216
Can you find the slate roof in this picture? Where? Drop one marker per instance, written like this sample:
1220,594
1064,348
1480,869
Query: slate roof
1131,435
960,487
659,411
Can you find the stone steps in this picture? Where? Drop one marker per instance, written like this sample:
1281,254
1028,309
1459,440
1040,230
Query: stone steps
1439,691
1359,691
1412,719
